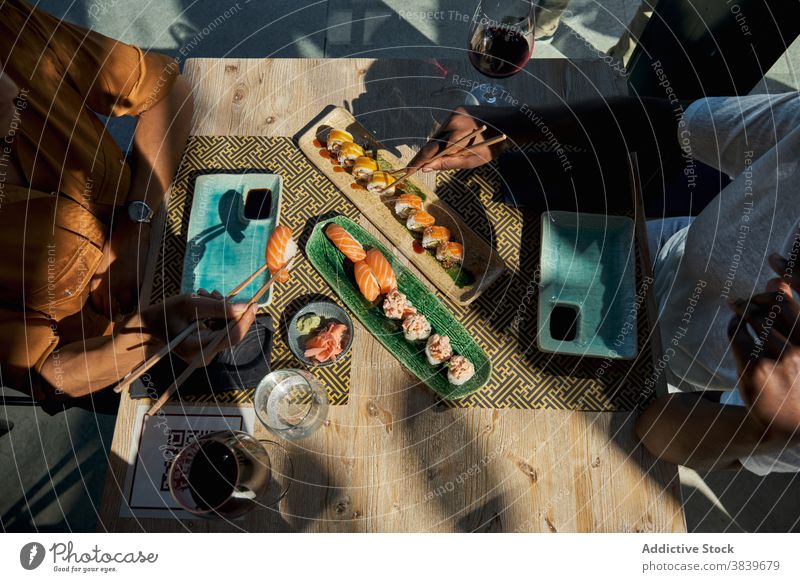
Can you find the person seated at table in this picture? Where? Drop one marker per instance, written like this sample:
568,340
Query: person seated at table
74,216
703,266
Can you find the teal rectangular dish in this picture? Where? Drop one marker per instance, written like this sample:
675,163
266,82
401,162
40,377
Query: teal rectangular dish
337,272
232,218
587,286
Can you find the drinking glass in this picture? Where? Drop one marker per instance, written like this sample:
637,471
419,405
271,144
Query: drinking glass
291,403
500,43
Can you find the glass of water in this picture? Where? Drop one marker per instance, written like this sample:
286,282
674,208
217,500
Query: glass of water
291,403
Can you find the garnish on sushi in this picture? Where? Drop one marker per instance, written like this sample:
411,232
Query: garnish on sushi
327,343
382,270
349,152
381,183
449,253
335,139
438,349
367,283
433,235
416,327
349,246
407,203
363,169
459,370
418,220
281,248
397,306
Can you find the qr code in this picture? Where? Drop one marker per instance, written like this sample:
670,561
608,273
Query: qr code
177,440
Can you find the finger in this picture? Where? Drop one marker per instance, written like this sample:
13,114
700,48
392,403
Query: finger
429,150
210,308
768,341
786,269
742,343
216,294
457,162
781,309
202,292
237,333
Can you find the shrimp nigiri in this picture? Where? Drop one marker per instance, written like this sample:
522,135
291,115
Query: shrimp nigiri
349,246
280,250
366,280
382,270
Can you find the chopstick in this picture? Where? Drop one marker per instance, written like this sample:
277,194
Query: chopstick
137,372
198,361
446,151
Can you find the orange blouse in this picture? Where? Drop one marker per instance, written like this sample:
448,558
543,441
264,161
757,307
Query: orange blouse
52,229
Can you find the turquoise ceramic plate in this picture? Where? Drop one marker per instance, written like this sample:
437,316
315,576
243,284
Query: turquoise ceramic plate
233,216
338,273
587,285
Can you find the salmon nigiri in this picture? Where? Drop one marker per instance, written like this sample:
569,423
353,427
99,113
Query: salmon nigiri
280,250
349,246
366,280
382,270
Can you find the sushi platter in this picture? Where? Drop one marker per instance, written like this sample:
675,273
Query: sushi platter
425,229
398,309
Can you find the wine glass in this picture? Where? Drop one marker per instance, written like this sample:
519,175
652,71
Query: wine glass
500,43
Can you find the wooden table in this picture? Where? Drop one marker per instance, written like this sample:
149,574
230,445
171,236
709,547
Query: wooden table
391,459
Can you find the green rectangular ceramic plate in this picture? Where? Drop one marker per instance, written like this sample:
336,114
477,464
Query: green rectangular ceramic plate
337,271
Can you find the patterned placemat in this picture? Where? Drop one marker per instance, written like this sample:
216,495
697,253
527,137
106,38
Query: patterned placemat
503,319
306,194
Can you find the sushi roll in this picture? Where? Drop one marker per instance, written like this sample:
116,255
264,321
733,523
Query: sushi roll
406,204
397,306
432,236
416,327
381,183
349,246
449,253
367,283
336,137
382,270
438,349
418,220
459,370
349,152
280,250
363,168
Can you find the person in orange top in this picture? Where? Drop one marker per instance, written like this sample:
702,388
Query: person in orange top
75,216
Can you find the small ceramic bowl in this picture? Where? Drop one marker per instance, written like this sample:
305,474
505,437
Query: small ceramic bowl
329,312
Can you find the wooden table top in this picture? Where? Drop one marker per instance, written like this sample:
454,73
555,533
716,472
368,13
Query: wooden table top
391,459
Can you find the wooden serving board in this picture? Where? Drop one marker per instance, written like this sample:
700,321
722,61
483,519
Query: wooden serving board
338,272
482,263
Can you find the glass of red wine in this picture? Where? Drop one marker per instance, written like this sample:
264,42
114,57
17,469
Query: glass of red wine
500,44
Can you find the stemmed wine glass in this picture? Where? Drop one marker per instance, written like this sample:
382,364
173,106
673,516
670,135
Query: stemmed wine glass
500,43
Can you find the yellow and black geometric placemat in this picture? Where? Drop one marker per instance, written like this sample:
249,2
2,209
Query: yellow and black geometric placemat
502,320
306,193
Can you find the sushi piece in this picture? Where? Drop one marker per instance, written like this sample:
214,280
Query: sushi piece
438,349
406,204
363,168
349,152
397,306
382,270
280,250
349,246
326,344
336,137
419,220
367,283
449,253
432,236
381,183
459,370
416,327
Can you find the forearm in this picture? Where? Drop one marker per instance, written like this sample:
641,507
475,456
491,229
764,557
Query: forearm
158,144
82,367
609,127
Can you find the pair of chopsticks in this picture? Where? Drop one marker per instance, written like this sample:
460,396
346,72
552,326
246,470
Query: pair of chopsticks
456,148
221,335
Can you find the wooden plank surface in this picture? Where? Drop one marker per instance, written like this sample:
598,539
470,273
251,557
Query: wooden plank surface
392,459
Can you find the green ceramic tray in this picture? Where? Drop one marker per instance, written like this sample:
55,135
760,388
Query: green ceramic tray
337,271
